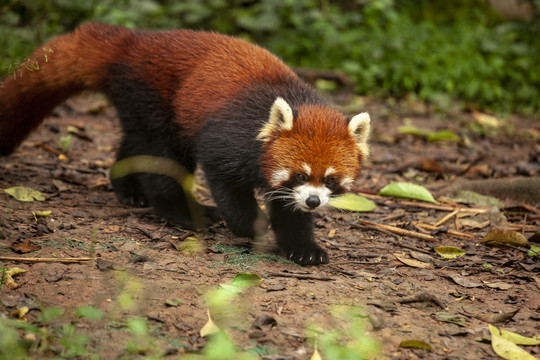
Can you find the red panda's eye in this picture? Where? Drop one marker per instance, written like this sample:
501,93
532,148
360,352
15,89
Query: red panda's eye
330,181
300,177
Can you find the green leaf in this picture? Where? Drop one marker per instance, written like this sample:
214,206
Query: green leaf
89,312
534,250
442,135
431,135
417,344
453,319
43,214
407,191
514,337
352,202
506,348
413,130
22,193
449,252
173,302
244,280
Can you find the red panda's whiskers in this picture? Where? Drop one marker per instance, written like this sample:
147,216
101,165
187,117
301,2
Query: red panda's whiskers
279,194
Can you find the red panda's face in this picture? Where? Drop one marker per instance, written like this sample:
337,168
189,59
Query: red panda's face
312,158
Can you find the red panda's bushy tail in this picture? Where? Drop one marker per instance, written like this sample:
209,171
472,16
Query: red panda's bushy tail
59,69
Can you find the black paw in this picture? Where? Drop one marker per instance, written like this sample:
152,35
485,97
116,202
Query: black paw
308,256
211,214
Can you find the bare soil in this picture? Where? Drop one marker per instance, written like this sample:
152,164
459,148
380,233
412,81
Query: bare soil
402,286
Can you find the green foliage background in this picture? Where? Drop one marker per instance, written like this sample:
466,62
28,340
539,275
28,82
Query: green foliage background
436,50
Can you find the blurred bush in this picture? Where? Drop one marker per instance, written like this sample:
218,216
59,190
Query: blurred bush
435,50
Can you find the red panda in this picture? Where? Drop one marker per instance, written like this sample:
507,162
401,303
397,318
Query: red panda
203,98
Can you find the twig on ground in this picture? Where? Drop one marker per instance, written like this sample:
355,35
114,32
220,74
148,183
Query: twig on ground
322,277
30,259
451,232
389,233
447,217
399,231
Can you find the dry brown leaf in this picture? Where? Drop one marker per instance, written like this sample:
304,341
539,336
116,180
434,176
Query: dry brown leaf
411,262
460,280
24,247
505,237
498,285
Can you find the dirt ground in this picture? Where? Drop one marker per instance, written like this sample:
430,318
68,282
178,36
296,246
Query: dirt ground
401,287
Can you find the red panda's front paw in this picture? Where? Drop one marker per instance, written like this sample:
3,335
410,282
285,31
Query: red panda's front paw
308,256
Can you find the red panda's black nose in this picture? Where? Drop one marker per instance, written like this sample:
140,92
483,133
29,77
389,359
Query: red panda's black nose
313,201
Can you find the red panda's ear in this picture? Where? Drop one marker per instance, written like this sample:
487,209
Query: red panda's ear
281,119
359,127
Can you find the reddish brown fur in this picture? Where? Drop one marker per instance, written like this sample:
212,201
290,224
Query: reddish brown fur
319,138
80,61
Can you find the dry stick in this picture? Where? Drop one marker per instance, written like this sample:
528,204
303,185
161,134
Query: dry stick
399,231
426,205
29,259
300,276
396,242
451,232
447,217
525,228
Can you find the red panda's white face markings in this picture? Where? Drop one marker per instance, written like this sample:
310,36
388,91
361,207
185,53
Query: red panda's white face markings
310,158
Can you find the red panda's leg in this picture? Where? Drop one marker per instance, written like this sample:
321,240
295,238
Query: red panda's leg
295,234
237,206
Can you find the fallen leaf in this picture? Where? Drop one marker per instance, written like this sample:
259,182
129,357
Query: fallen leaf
417,344
20,312
499,317
7,278
411,262
407,191
24,247
498,285
244,280
41,214
473,224
431,135
453,319
352,202
506,348
449,252
191,245
210,327
505,237
316,355
471,197
26,194
514,337
173,302
431,165
444,134
421,256
486,120
460,280
60,185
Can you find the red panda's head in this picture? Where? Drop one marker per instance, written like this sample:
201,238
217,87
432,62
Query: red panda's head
312,153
